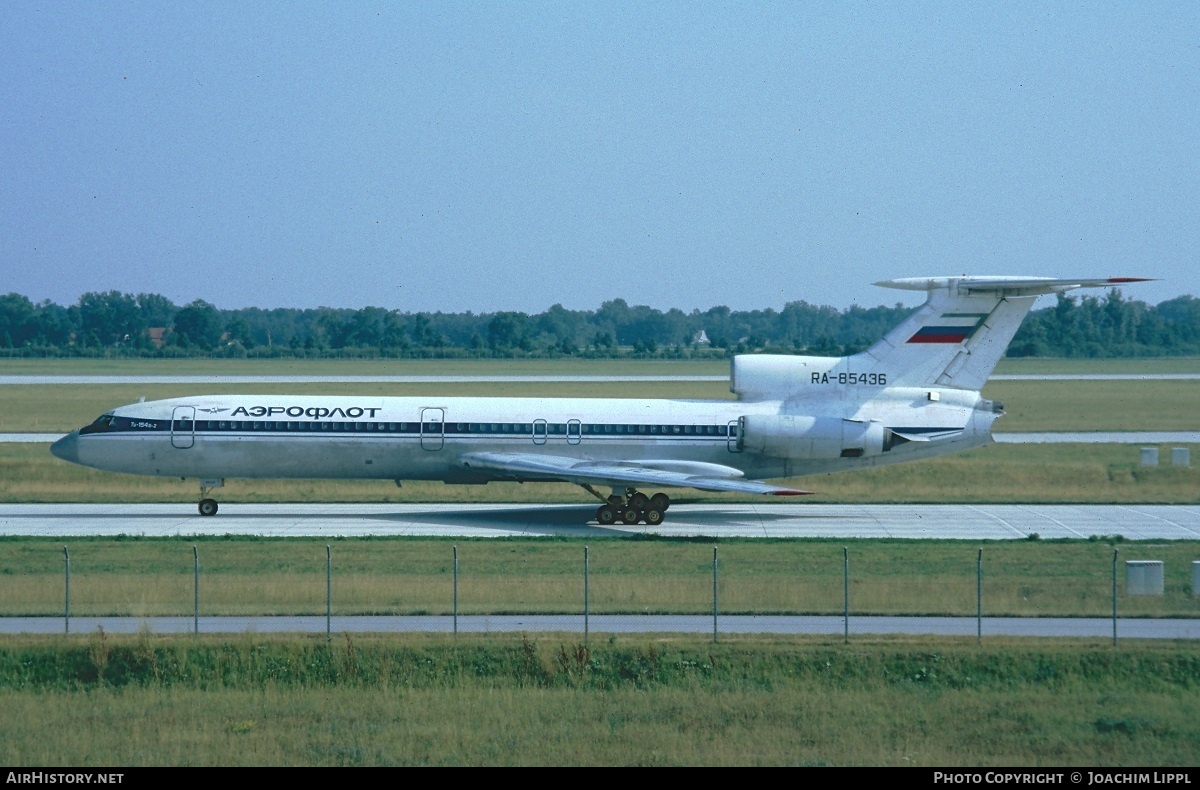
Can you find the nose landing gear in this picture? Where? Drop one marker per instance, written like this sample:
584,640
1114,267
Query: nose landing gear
208,506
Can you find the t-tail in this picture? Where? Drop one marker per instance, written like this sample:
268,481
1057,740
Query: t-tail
956,338
952,341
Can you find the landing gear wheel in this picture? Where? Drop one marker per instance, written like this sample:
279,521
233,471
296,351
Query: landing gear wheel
628,515
639,501
653,517
660,502
606,515
208,507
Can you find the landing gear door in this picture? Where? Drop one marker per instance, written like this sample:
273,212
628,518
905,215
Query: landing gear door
433,428
183,427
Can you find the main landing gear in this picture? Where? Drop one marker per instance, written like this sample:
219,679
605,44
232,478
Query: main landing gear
631,507
208,506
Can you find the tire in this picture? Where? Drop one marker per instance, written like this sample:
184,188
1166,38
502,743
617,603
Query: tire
660,502
208,507
606,515
628,515
654,517
639,501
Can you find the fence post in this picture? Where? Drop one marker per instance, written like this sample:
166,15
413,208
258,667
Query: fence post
196,590
67,595
714,593
585,595
328,593
1114,591
979,598
456,592
846,593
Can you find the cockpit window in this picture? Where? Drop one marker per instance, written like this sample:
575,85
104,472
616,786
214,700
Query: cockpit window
105,422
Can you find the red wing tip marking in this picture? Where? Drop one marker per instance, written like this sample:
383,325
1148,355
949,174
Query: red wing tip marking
791,492
1130,279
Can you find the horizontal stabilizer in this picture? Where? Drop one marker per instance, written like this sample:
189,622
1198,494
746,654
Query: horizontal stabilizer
1007,286
956,338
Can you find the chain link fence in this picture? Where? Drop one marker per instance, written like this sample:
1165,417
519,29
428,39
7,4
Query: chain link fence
568,586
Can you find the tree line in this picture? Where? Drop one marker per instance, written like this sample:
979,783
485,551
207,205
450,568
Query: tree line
150,325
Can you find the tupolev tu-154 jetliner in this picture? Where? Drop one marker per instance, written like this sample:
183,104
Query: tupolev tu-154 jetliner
914,394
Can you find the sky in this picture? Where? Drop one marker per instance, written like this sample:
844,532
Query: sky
483,156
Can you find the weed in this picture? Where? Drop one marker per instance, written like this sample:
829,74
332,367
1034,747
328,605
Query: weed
98,651
351,667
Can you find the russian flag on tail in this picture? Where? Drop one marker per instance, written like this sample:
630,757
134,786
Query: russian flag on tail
950,328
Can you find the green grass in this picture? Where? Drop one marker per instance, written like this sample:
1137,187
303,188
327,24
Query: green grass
506,367
1147,365
98,700
1097,405
1002,473
144,577
362,367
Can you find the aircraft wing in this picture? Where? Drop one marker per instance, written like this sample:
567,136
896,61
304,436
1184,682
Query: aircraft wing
645,472
927,434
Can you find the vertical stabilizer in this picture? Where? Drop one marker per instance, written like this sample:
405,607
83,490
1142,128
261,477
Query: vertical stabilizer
956,338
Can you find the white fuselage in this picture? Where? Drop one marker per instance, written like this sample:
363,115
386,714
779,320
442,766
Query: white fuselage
423,438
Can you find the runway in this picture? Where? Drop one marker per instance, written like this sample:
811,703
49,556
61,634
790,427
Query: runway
1071,627
956,522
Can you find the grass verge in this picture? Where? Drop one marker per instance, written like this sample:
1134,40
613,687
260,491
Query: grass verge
99,700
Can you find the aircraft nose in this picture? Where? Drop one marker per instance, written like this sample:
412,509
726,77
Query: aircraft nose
67,448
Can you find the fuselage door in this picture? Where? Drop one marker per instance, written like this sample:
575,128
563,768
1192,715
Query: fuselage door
574,432
183,427
734,439
539,431
433,428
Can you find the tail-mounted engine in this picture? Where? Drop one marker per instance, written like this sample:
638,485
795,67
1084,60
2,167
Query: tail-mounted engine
780,436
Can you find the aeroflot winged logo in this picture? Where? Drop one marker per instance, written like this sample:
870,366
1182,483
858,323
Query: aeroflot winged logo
950,328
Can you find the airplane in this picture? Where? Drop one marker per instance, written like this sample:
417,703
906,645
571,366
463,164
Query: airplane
914,394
